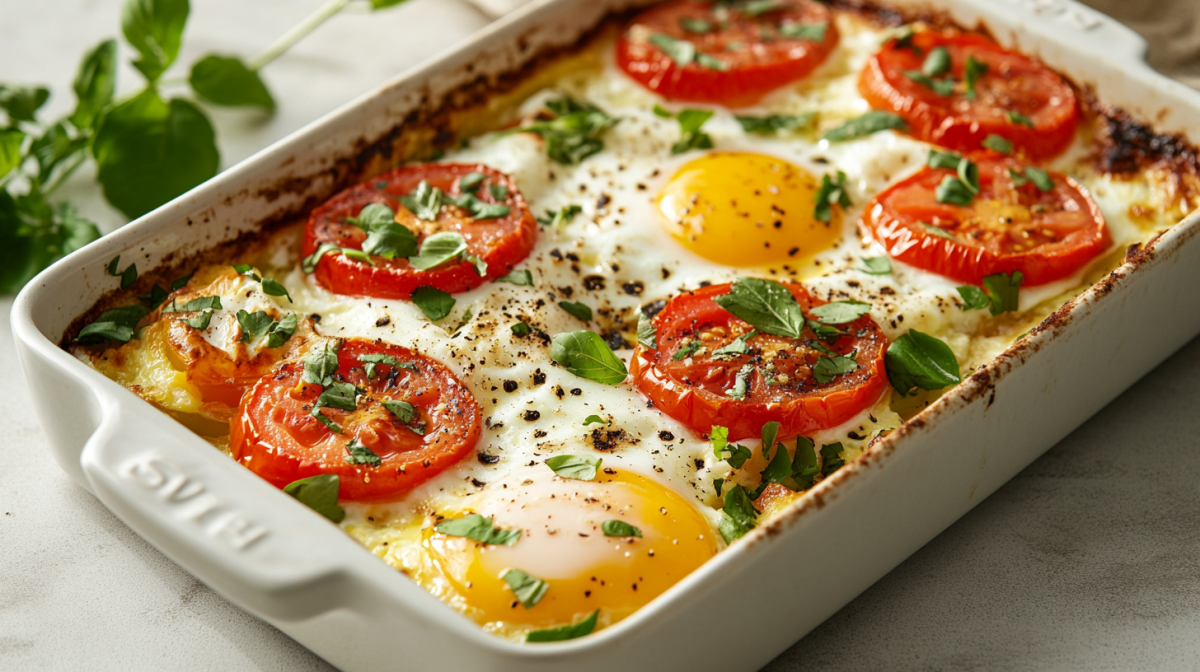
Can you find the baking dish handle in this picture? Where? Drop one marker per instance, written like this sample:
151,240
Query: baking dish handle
212,516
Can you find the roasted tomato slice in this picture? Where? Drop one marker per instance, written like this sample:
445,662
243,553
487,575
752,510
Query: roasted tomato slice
209,344
500,242
725,53
1011,225
410,421
698,387
1017,97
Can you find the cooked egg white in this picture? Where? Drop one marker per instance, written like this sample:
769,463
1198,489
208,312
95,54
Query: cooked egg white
651,225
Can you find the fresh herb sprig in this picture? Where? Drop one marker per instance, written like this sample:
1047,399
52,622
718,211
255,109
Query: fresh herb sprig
135,141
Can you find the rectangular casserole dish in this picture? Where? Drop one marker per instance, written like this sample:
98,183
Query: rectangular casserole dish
270,555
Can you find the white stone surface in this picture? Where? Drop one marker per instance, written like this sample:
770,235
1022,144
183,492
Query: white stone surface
1090,559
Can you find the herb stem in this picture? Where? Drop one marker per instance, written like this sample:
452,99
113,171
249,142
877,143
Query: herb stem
323,14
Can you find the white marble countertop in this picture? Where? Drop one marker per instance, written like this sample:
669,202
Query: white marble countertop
1090,559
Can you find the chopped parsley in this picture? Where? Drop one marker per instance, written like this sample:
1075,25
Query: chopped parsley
736,455
574,134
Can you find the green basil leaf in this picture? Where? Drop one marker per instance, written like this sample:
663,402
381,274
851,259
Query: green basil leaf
253,324
574,134
281,331
522,278
476,527
200,322
804,464
558,219
575,467
499,192
404,411
953,191
1003,290
480,209
937,63
117,324
871,122
920,360
619,528
138,146
438,249
1018,178
275,288
973,297
831,458
180,283
998,143
1018,118
680,51
769,432
737,346
432,301
939,159
779,469
971,74
95,83
129,276
968,174
577,309
592,419
942,87
687,350
469,183
741,383
565,632
225,80
202,303
776,123
319,493
804,31
937,230
22,102
309,263
740,507
877,266
697,26
324,420
10,150
1039,178
827,368
766,305
730,529
521,329
832,192
840,312
155,29
356,453
646,333
341,396
321,363
586,355
424,202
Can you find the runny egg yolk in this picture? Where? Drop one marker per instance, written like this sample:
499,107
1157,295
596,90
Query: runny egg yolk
562,543
744,209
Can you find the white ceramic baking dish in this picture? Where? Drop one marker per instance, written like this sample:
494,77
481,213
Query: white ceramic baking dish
269,554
